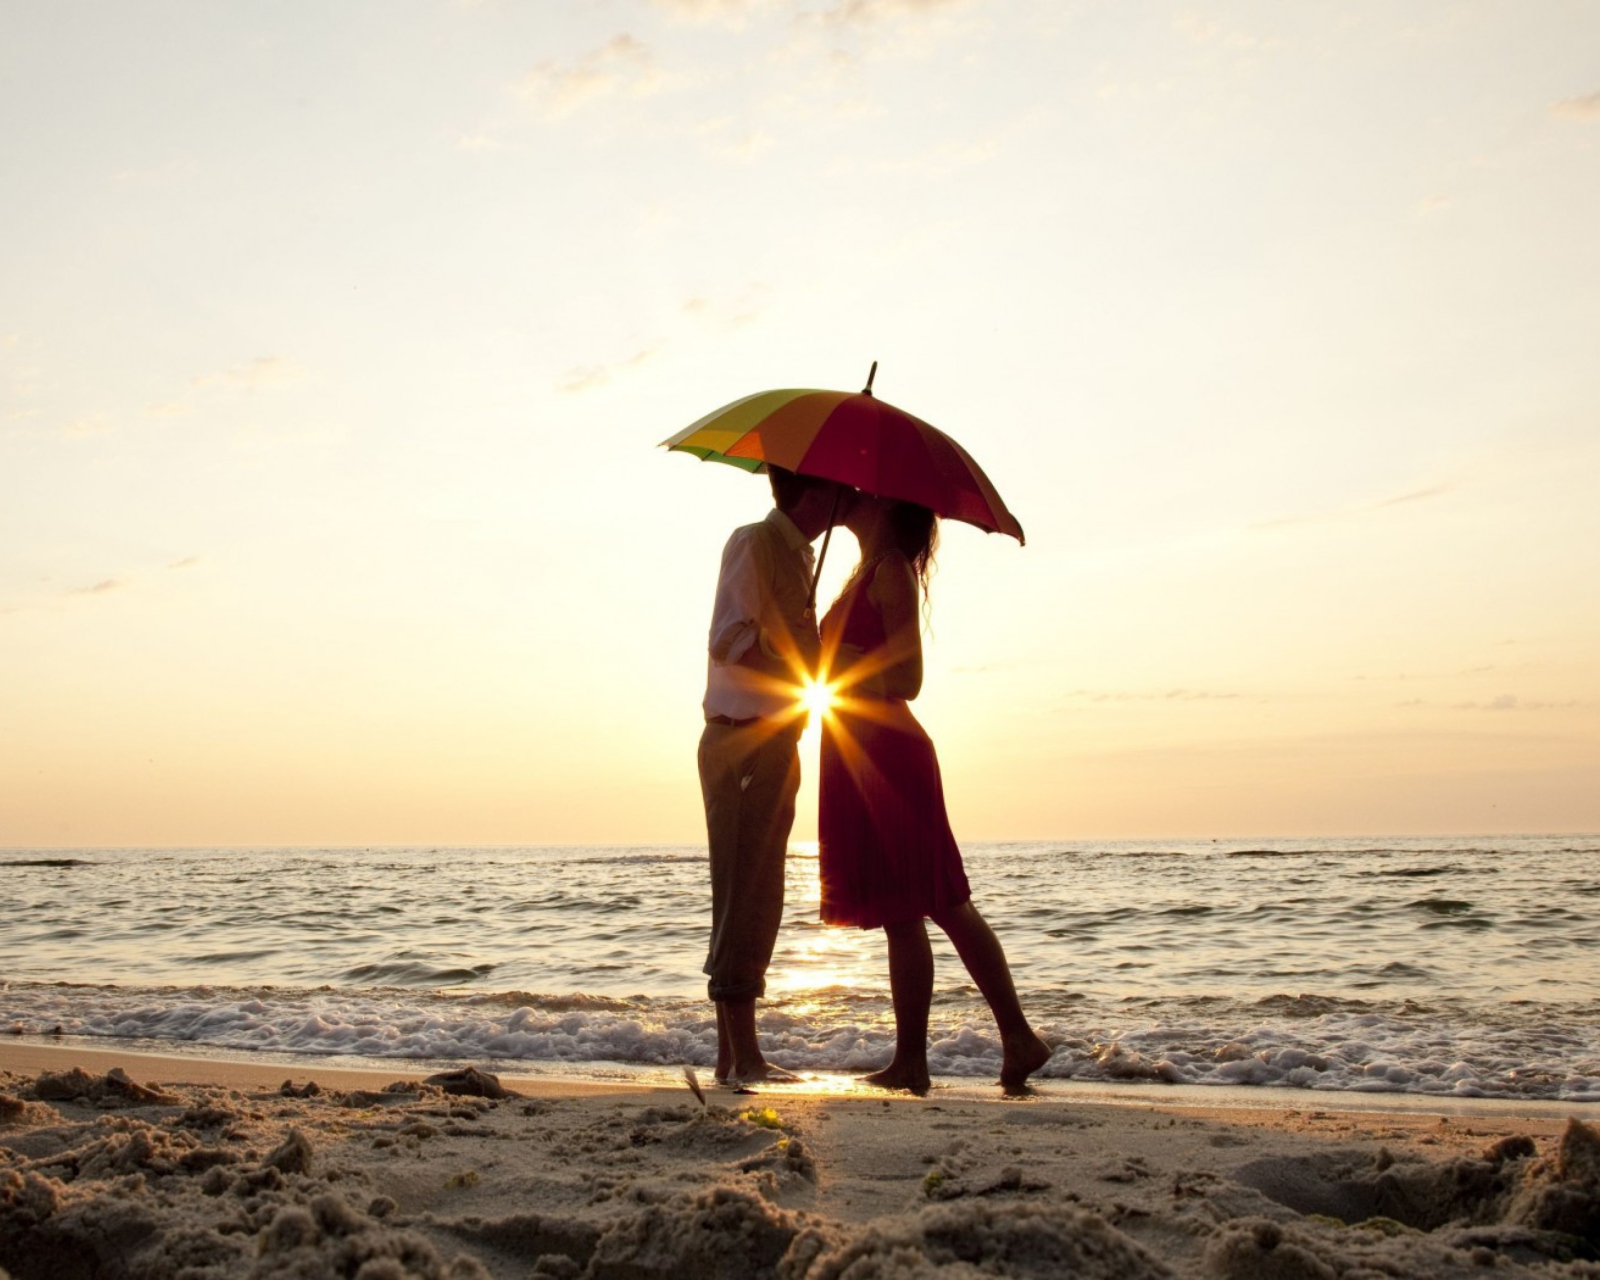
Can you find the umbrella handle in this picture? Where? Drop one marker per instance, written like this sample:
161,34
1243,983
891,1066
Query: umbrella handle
816,573
811,599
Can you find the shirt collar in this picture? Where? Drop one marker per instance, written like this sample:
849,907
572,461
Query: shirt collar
790,531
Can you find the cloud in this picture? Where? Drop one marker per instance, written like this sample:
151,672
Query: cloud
480,142
94,424
1585,108
100,588
1416,495
622,66
732,11
1406,676
1350,513
1153,695
1510,702
589,377
1204,30
1499,704
165,171
741,149
264,373
106,586
724,316
948,156
860,13
1286,522
260,374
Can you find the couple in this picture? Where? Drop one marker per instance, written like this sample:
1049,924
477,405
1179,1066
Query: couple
887,856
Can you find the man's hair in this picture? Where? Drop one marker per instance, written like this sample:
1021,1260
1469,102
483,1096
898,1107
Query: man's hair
788,488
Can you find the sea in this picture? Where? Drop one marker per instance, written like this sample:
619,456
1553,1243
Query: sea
1465,967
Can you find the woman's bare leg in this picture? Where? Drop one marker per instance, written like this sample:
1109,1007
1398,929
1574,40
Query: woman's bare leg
1022,1052
911,986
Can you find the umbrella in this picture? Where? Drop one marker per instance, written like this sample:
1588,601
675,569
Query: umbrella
857,440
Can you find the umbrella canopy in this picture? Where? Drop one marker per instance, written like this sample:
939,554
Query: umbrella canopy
856,439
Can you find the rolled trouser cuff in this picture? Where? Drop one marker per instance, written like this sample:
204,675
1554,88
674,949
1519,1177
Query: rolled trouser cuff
735,992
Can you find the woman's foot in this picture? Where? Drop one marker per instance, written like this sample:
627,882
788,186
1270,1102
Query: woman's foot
894,1076
1019,1060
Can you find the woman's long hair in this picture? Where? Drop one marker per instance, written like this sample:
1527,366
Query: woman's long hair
915,530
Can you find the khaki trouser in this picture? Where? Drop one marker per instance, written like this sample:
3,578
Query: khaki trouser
749,775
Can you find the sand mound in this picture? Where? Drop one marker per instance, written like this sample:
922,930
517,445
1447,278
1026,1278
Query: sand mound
117,1196
559,1243
109,1090
730,1232
1562,1194
720,1233
1505,1202
153,1225
977,1238
470,1082
1506,1184
328,1238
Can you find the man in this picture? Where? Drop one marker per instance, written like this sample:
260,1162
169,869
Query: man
763,645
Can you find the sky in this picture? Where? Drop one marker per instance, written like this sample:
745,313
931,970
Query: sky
337,341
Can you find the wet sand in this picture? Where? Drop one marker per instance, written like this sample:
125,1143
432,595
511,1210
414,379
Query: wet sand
116,1164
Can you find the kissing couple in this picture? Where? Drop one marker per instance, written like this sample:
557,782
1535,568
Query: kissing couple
887,857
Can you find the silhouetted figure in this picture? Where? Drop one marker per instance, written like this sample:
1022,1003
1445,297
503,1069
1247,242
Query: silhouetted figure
763,646
887,855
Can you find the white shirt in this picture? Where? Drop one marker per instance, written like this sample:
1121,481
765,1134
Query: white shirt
764,585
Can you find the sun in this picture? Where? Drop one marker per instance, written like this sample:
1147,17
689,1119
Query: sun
817,698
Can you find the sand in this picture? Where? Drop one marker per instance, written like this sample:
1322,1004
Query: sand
116,1165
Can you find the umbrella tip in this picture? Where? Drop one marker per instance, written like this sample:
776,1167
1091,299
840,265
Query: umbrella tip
871,374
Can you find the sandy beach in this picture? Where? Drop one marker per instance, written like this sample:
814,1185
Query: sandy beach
115,1164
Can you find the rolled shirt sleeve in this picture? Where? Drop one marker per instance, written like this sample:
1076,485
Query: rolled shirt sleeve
736,618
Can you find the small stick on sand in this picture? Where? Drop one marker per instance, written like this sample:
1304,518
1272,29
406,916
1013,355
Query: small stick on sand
690,1079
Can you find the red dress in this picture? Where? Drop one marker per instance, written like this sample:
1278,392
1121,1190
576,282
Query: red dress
886,851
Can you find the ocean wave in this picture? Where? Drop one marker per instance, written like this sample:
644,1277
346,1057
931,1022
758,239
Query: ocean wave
47,862
1305,1041
416,973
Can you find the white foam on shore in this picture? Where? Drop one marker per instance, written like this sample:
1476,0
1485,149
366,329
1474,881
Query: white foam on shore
1338,1050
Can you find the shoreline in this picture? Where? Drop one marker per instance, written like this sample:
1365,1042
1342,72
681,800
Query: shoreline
269,1168
24,1056
241,1069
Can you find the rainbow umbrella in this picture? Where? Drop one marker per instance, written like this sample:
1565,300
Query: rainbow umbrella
857,440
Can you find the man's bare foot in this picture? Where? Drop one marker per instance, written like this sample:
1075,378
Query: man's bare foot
759,1073
1021,1059
895,1076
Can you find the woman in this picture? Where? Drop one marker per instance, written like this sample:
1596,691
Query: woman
887,856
